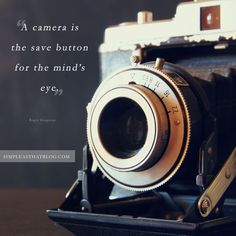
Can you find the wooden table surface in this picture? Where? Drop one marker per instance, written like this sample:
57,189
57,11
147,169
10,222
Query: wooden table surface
23,212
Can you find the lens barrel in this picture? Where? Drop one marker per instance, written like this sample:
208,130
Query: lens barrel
139,126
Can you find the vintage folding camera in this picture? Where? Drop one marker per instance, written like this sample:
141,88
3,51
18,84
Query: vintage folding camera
161,129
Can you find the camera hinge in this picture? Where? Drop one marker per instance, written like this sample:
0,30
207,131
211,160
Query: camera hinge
209,201
79,191
207,159
214,192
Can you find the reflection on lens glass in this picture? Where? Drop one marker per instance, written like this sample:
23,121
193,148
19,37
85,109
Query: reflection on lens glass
123,127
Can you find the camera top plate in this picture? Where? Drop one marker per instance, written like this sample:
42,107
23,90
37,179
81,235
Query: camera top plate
194,22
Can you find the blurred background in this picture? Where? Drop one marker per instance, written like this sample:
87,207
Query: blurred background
28,189
20,95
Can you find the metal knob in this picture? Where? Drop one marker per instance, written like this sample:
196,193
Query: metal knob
144,17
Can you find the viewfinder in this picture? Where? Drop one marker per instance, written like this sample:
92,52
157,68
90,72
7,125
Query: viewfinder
210,18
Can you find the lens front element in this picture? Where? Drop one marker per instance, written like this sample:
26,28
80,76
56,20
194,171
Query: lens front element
123,127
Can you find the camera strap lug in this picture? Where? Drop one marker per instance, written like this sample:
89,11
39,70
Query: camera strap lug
137,56
210,200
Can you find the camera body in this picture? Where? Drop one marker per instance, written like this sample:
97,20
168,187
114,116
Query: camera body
161,129
205,50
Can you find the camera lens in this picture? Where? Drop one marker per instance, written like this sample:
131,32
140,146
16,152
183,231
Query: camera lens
129,127
123,127
138,127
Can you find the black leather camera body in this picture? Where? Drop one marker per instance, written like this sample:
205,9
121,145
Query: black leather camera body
161,157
